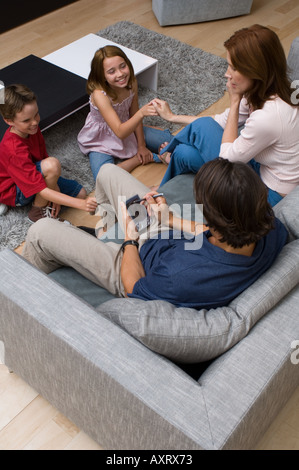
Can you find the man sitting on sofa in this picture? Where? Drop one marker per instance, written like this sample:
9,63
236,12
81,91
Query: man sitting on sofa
240,242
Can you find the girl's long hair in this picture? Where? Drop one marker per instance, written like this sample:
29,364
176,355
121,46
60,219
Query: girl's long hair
256,52
96,78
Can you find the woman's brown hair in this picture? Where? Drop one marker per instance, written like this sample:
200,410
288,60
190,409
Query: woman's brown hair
234,200
256,52
96,78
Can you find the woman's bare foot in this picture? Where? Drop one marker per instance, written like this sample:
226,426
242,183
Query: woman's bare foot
162,146
165,157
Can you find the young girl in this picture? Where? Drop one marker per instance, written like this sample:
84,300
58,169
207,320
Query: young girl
113,130
260,101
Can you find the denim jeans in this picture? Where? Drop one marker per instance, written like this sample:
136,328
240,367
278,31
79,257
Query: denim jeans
153,139
196,144
66,186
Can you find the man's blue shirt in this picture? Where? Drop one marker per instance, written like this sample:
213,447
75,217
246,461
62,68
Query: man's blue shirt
206,277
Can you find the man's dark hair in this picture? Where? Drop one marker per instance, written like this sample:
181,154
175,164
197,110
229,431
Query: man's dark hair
234,200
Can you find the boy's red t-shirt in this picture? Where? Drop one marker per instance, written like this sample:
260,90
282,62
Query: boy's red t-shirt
18,156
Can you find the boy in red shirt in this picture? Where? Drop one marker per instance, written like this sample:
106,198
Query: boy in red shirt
27,173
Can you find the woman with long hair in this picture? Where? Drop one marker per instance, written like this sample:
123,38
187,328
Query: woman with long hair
261,126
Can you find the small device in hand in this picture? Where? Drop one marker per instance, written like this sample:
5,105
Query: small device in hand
138,212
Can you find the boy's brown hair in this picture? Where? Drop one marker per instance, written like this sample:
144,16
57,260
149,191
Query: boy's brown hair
234,200
15,98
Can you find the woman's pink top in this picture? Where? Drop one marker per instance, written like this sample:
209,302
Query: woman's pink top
270,136
97,136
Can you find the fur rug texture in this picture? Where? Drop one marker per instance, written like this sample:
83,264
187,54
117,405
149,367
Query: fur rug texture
189,79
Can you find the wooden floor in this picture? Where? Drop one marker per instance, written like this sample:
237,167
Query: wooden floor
27,421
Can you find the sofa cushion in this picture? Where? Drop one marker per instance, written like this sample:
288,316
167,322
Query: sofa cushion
81,286
187,335
287,210
293,60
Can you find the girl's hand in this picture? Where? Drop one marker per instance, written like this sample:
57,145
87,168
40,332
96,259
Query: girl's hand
148,110
163,109
144,155
129,226
90,204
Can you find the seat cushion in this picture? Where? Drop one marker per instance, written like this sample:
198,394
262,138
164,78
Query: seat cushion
293,63
80,286
187,335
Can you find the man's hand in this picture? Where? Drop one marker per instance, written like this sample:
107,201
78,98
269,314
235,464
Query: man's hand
158,208
131,269
129,226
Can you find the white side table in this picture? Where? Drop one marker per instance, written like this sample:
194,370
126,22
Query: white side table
76,57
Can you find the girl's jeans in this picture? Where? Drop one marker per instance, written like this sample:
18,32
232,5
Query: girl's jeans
153,139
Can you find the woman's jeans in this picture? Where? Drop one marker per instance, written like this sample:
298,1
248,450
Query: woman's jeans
153,139
196,144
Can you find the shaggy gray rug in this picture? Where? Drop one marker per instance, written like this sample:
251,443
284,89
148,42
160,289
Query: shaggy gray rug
189,79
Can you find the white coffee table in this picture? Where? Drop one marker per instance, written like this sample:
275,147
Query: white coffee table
76,57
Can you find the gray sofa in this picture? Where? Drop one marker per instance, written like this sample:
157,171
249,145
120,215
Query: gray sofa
147,375
173,12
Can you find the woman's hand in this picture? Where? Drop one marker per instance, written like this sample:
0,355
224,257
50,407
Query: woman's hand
163,109
235,95
148,110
